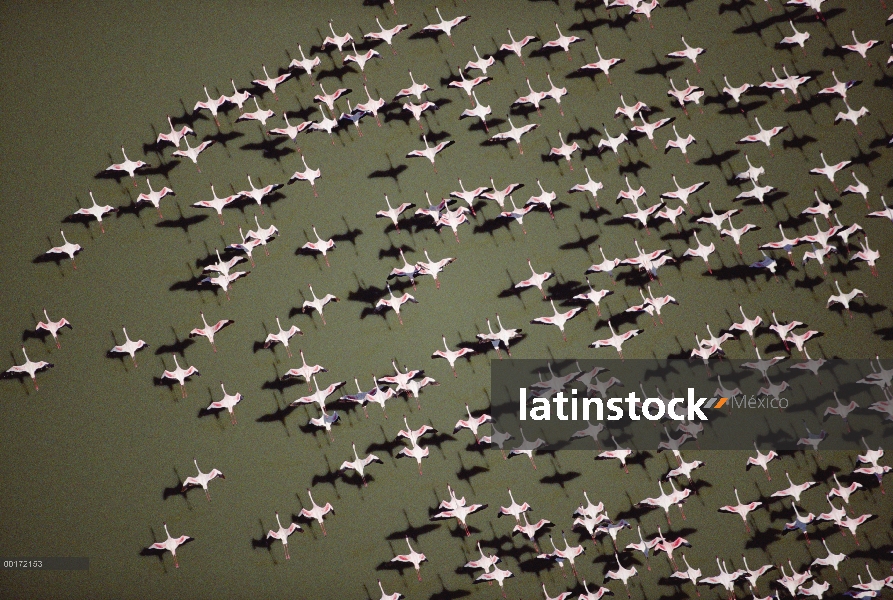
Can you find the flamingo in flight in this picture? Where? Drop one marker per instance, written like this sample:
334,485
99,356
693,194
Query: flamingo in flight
171,544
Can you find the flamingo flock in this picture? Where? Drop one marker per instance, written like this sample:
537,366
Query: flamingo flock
423,120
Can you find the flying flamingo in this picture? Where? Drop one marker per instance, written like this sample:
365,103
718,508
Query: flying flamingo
503,336
282,336
238,98
562,41
763,135
395,595
515,46
154,197
565,150
682,193
359,464
498,575
208,331
360,59
616,340
317,512
741,509
594,296
29,367
545,198
452,219
537,280
228,402
175,135
283,533
451,356
612,142
320,245
558,319
416,558
798,37
800,522
319,396
66,248
337,40
515,133
472,423
371,106
318,303
481,64
218,204
845,299
393,212
386,35
861,47
857,188
433,267
179,374
590,186
202,479
468,195
129,347
867,254
602,64
257,194
262,115
568,553
53,327
171,544
533,98
649,128
394,302
429,152
468,84
444,25
681,143
735,92
192,152
292,132
852,116
305,63
212,105
622,573
307,174
416,89
724,578
247,246
479,110
96,211
748,325
517,213
689,53
529,529
527,447
793,491
691,574
620,453
832,560
486,562
829,171
325,124
702,251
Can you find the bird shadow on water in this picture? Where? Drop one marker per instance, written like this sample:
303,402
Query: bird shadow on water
263,542
279,415
447,594
183,222
392,172
270,148
178,346
176,490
